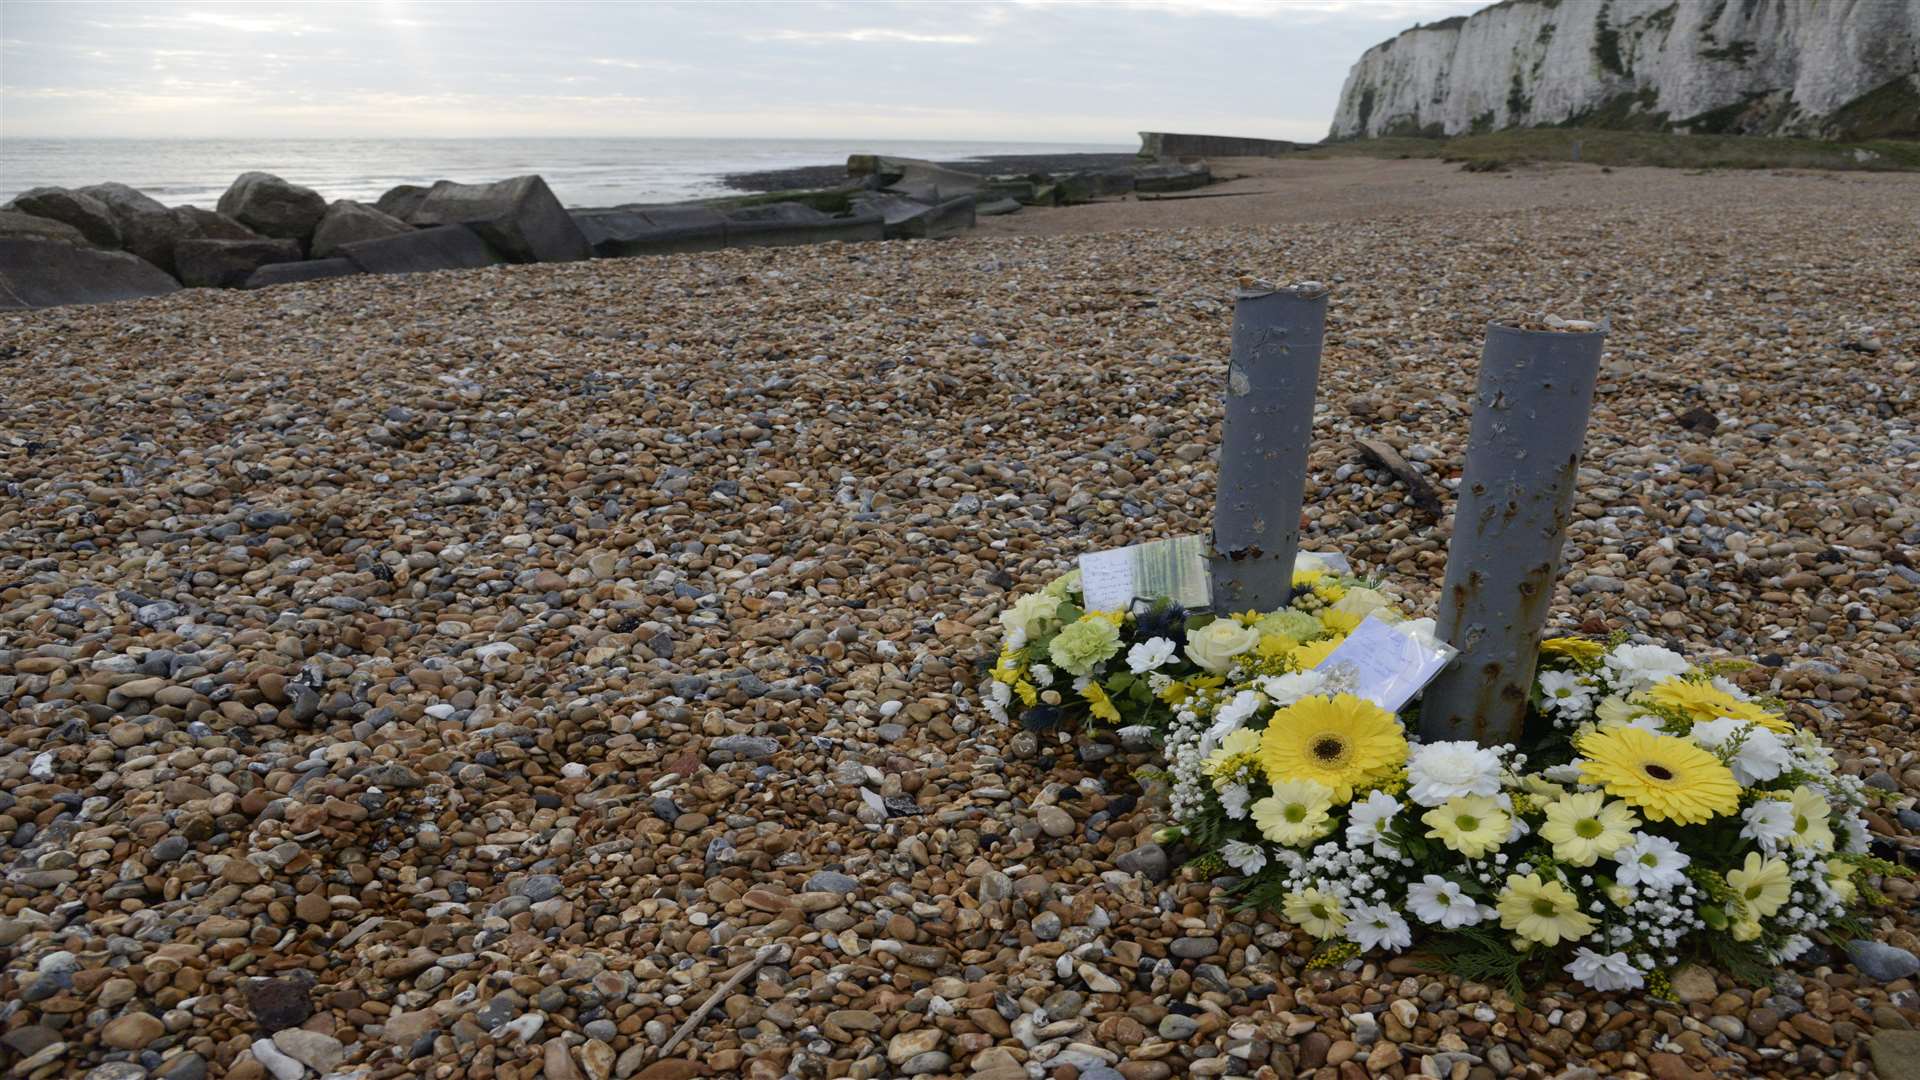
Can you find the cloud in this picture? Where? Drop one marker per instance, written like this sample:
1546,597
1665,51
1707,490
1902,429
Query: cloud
869,35
1371,10
251,24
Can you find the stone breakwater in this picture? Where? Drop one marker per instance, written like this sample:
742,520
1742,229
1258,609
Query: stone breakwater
110,242
470,675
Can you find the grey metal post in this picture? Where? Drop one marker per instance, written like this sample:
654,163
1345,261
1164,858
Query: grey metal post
1509,525
1271,382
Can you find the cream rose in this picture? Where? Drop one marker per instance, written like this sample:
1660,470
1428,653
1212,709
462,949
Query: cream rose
1033,615
1363,602
1215,645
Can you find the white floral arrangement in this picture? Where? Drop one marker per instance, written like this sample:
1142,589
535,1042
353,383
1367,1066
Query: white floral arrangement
1654,812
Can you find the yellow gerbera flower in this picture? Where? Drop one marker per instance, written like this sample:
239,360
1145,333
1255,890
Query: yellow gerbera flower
1101,705
1310,654
1339,622
1696,701
1761,884
1343,743
1811,828
1296,812
1307,579
1469,824
1545,912
1667,778
1766,718
1585,828
1579,650
1315,912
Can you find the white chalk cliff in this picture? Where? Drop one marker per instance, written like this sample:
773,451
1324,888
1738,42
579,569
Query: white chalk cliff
1835,68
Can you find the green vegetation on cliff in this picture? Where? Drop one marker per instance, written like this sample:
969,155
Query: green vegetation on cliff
1606,146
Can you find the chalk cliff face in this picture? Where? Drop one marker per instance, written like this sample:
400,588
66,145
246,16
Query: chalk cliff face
1832,68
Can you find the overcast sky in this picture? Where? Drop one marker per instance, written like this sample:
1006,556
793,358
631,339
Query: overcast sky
1041,70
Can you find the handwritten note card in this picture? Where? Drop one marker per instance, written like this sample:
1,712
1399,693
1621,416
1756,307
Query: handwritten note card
1175,569
1382,664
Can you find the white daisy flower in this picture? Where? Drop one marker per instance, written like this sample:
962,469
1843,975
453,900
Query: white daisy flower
1769,823
1366,818
1605,971
1233,715
1651,862
1434,899
1566,693
1377,926
1247,858
1234,801
1287,689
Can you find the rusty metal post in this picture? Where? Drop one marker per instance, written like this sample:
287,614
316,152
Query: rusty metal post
1271,383
1509,525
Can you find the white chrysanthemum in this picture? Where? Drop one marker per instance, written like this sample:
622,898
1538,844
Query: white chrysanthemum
1760,755
1149,655
1794,947
1234,801
1565,774
1448,770
1605,971
1232,715
1566,693
1366,818
1247,858
1042,674
1377,926
1284,690
1434,899
1853,833
1769,822
1651,862
1634,668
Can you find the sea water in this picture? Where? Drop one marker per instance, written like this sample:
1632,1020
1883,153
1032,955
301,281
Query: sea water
582,172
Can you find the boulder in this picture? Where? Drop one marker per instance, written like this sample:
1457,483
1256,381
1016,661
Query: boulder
905,218
123,202
996,207
1171,176
227,264
44,273
922,180
520,218
273,207
787,223
15,225
153,236
347,221
651,230
444,247
288,273
92,217
400,202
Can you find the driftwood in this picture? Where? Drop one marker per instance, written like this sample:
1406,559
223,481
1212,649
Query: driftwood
1419,492
760,959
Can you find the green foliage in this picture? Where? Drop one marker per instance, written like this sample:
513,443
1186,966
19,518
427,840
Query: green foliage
1739,959
1606,45
1480,956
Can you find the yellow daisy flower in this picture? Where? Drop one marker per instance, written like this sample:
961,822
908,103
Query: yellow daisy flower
1028,692
1585,828
1307,579
1696,701
1811,827
1101,705
1315,912
1746,930
1761,884
1296,812
1339,622
1666,778
1840,880
1238,750
1766,718
1310,654
1343,743
1469,824
1579,650
1545,912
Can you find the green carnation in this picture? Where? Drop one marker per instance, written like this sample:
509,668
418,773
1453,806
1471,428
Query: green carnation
1288,622
1083,644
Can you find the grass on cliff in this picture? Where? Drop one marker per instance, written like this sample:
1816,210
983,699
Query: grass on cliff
1599,146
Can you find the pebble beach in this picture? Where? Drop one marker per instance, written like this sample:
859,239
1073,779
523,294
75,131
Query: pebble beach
480,674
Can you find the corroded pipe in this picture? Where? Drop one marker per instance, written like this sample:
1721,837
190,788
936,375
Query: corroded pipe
1510,524
1271,382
